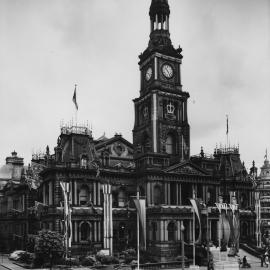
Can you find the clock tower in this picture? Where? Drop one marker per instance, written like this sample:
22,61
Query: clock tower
161,133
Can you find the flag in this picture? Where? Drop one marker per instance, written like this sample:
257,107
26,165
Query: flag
74,99
140,206
227,122
197,208
67,213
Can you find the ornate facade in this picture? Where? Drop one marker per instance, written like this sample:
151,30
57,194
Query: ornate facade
104,174
263,189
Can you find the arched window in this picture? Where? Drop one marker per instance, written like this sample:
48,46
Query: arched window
171,231
84,162
154,231
244,231
85,231
122,230
157,195
146,143
142,192
170,144
84,195
243,200
121,198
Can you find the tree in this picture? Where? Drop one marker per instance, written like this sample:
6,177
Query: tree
48,246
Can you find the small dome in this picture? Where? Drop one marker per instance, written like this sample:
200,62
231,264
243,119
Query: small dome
159,7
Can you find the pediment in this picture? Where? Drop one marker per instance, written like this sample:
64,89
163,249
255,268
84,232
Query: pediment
187,167
116,147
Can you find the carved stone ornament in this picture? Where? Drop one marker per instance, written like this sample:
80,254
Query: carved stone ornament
145,112
170,108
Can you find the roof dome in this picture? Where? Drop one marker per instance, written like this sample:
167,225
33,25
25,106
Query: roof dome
159,7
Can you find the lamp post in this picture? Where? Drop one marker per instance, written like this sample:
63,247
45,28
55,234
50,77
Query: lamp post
206,212
221,206
234,207
182,245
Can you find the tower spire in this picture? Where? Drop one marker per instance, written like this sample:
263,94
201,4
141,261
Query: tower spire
159,15
159,31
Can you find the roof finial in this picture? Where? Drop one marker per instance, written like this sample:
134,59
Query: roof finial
265,156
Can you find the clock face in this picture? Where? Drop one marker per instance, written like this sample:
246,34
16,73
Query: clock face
148,74
167,71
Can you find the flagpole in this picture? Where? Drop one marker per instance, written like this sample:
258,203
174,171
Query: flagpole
138,233
193,236
76,108
227,131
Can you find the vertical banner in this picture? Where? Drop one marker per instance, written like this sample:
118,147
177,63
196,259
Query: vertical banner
197,208
140,206
67,216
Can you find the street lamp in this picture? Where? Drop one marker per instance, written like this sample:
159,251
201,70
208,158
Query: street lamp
206,211
182,246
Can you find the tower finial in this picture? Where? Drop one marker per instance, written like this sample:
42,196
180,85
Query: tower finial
159,15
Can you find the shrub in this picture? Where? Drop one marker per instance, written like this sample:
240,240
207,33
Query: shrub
109,260
72,261
88,261
26,257
48,246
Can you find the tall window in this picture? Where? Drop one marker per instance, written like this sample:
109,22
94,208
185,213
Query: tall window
171,231
146,143
84,195
170,144
154,231
121,198
85,232
122,230
173,193
157,195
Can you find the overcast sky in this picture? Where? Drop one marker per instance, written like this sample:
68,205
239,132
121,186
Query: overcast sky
48,46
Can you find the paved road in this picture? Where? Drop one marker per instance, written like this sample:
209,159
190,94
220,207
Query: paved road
254,261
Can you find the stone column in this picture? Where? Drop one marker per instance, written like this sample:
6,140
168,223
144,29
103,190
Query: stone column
95,231
178,230
43,193
50,193
108,224
161,230
76,231
75,193
148,194
180,194
166,193
165,230
94,199
169,193
98,193
99,231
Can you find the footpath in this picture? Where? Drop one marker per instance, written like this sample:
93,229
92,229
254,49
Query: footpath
255,262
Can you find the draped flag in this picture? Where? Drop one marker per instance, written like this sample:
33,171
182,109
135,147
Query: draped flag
67,214
197,208
74,99
140,206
